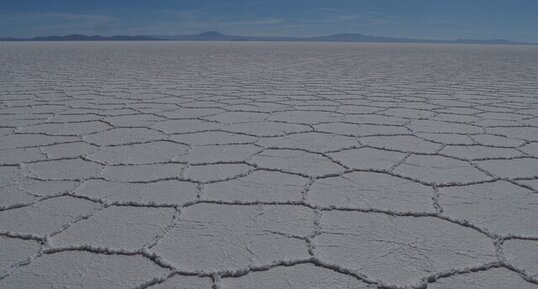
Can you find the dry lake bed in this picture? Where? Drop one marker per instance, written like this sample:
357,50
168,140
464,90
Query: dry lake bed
268,165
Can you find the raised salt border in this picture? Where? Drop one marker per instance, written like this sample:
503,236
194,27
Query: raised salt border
268,165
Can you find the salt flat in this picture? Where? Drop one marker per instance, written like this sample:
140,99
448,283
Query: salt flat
268,165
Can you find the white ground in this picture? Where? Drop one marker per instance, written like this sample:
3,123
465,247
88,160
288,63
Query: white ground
268,165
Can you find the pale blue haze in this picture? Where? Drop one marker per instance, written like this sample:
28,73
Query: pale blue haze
439,19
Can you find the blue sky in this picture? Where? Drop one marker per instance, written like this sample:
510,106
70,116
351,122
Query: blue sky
441,19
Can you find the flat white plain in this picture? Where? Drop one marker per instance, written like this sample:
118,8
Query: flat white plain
268,165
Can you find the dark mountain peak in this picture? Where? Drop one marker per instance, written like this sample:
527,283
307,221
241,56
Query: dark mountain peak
211,34
351,34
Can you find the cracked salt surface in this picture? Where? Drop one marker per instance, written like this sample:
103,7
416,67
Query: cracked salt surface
268,165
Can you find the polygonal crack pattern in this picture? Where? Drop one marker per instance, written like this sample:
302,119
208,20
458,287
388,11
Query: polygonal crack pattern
182,165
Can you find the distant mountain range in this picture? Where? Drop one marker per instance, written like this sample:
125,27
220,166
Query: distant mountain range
80,37
217,36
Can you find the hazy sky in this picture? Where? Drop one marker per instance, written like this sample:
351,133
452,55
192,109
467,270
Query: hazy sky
443,19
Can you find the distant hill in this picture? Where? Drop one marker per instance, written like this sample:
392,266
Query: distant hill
206,36
370,38
350,37
80,37
217,36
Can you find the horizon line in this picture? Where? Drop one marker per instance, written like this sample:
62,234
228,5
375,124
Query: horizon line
217,36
